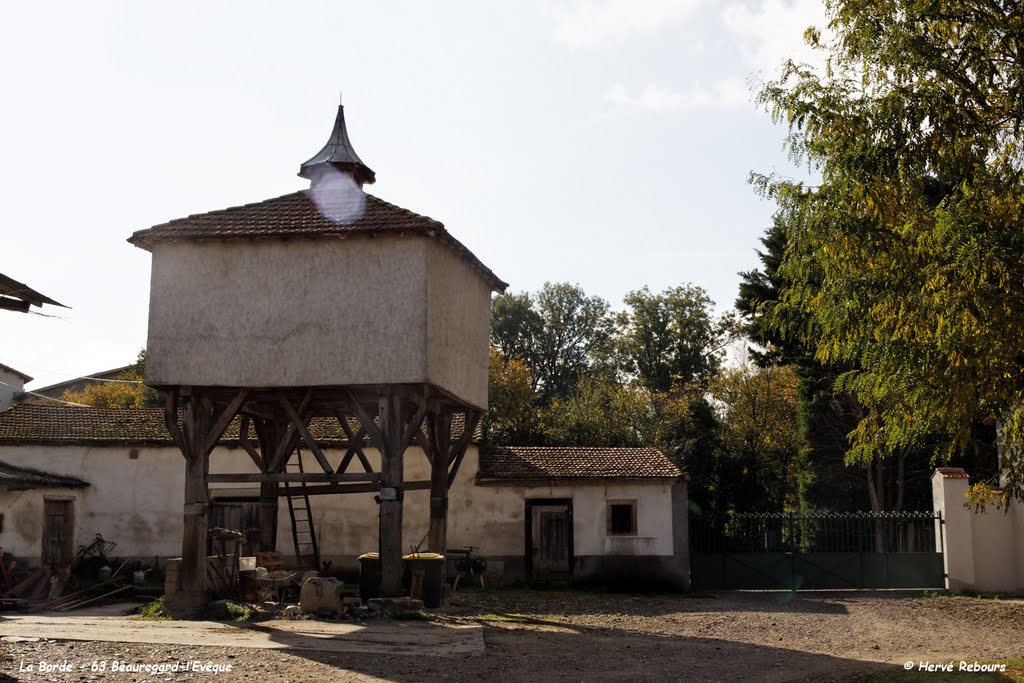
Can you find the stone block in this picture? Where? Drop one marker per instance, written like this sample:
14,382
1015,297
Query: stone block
322,595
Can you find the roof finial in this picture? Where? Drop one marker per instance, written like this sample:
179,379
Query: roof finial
341,100
339,155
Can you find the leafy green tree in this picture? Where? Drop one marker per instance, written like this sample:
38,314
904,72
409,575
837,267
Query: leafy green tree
907,258
671,338
560,333
759,433
126,390
513,417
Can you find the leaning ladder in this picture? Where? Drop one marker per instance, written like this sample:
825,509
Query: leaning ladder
303,534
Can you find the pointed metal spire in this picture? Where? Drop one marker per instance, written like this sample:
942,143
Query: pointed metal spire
338,154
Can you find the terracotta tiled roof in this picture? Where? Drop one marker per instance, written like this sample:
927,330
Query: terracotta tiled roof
571,462
45,424
24,478
298,215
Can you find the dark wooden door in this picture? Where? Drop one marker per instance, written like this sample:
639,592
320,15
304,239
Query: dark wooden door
58,531
238,515
552,542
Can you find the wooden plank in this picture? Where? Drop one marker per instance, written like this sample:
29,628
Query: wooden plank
308,477
306,436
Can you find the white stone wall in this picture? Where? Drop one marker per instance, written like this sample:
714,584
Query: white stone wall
137,502
10,384
282,313
984,551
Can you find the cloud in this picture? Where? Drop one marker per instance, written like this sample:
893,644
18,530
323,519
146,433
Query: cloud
659,99
592,23
771,31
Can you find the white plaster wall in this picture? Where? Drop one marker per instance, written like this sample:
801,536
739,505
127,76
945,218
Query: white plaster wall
359,310
984,551
288,313
458,325
135,502
11,384
138,504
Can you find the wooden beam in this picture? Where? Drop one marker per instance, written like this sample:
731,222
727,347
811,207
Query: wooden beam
459,449
257,478
171,420
416,422
366,421
390,409
355,445
224,420
325,489
288,440
306,436
439,422
243,441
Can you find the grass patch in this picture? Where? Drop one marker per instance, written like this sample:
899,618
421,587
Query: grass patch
154,611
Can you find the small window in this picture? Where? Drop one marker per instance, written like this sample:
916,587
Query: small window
622,518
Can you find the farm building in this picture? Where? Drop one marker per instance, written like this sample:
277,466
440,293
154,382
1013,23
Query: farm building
535,514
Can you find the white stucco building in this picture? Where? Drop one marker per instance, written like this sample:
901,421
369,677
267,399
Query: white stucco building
542,514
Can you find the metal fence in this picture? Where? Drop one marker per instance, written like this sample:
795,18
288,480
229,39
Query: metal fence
823,532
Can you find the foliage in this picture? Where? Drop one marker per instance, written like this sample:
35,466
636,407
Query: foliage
907,259
671,338
154,611
513,416
759,435
600,412
560,334
126,390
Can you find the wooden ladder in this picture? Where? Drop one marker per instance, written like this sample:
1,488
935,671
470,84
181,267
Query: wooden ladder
303,534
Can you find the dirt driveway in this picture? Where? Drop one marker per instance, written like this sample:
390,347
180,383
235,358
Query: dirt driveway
541,636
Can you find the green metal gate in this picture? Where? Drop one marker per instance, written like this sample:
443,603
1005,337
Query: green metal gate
824,550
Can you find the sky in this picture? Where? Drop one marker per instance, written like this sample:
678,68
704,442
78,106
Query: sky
605,143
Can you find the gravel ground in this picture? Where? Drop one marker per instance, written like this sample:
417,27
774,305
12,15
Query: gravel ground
542,636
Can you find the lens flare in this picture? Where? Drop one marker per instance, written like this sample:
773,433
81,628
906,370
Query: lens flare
337,196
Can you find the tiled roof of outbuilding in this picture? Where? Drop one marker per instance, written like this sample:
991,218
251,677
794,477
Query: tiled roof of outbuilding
24,478
298,215
574,462
47,424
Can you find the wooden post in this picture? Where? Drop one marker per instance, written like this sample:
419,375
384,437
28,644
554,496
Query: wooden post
440,430
268,434
192,573
389,408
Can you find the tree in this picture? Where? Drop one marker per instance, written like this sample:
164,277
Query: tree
671,338
560,333
513,416
907,258
126,390
600,412
759,434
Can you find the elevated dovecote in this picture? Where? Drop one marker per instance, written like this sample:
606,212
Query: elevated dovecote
324,287
329,303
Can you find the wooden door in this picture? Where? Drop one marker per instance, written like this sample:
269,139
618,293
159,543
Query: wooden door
552,542
58,532
241,515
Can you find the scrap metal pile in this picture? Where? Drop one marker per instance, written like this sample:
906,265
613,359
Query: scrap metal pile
90,577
